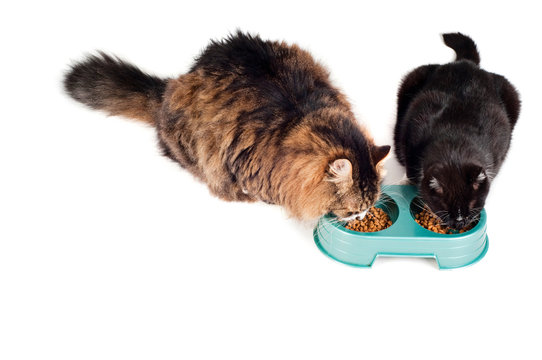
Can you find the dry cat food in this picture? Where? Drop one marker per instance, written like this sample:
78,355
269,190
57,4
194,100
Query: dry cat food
376,219
432,222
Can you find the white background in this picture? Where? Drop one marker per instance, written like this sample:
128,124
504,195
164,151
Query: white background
110,251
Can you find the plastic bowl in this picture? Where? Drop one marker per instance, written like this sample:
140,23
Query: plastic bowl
404,237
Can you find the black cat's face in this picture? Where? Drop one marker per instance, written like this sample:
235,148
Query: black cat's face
455,193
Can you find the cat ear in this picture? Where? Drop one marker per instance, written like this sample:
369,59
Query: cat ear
430,180
340,173
479,180
379,153
341,170
435,185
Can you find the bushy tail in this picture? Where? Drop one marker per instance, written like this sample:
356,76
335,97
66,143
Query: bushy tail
464,47
107,83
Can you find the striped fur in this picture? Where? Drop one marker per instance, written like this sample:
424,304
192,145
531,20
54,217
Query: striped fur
253,119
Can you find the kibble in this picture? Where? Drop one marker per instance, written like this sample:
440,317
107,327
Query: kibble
376,219
432,222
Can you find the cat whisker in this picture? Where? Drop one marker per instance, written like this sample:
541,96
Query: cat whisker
336,221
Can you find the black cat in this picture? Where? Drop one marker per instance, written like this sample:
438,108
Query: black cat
453,130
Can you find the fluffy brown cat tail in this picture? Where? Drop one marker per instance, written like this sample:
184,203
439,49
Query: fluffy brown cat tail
104,82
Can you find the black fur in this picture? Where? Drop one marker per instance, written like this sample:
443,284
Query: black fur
453,131
463,46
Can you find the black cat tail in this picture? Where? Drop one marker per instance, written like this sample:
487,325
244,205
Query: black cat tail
104,82
464,47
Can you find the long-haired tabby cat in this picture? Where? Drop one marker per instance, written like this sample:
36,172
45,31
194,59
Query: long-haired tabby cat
453,131
253,119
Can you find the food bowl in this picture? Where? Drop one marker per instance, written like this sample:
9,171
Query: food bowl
404,237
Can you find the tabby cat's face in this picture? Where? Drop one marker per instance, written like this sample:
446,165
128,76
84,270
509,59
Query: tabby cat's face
355,190
355,201
456,193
